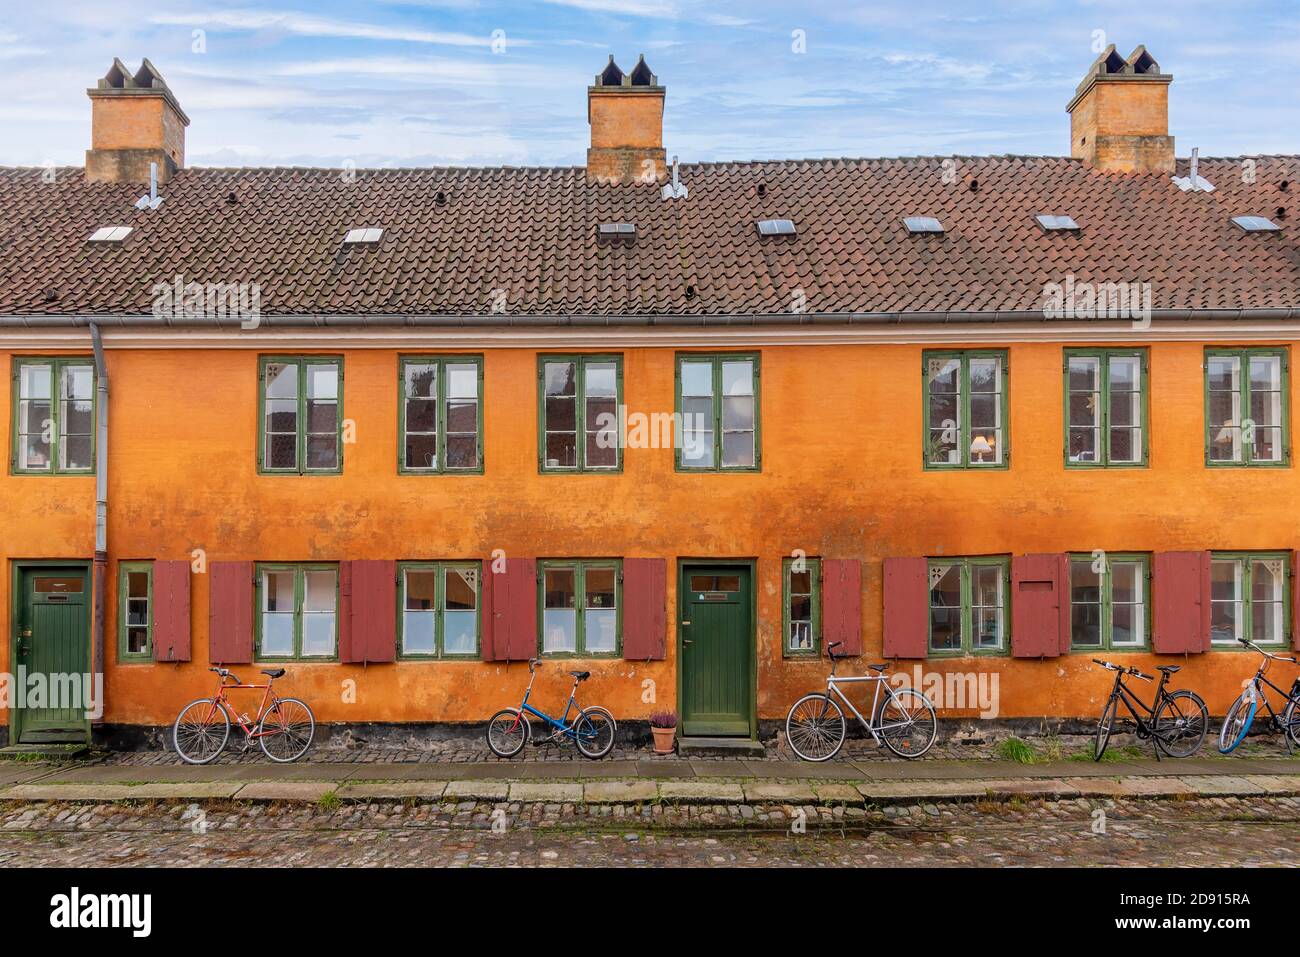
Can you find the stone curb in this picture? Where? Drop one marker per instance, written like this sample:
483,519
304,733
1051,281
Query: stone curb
640,791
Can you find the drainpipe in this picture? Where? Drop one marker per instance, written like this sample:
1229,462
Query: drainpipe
100,576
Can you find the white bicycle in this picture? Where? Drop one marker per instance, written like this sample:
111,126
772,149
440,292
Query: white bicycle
903,718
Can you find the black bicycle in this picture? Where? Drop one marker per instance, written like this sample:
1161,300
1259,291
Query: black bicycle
1176,722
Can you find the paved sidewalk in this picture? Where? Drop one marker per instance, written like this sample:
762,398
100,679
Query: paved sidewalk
851,783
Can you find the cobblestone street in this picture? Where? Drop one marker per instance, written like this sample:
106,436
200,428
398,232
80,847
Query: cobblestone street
1231,832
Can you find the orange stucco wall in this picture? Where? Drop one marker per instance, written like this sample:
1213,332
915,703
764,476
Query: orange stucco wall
841,477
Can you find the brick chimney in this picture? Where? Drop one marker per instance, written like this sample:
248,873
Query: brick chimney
1119,116
134,121
626,113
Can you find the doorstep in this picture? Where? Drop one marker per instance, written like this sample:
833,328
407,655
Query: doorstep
720,747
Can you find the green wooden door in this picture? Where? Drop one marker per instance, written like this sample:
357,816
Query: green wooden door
717,647
54,643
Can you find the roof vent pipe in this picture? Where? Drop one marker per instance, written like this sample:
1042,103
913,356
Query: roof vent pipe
153,200
675,189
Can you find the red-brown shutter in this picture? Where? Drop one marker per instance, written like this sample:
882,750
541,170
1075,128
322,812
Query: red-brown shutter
1182,603
374,611
171,611
1295,600
1037,589
842,605
514,610
645,601
230,613
345,612
907,607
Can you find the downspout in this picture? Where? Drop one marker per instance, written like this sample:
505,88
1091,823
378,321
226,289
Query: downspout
100,575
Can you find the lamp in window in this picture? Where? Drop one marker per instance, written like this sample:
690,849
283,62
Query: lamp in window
980,447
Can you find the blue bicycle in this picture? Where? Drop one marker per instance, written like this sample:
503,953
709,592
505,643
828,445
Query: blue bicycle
1242,713
592,729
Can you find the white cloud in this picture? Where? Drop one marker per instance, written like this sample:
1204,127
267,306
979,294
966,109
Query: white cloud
633,8
308,25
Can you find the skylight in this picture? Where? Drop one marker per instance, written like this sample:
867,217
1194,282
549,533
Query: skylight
1256,224
110,234
362,236
616,230
776,227
1051,223
922,224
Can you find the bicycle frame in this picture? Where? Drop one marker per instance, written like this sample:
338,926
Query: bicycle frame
220,700
877,702
562,726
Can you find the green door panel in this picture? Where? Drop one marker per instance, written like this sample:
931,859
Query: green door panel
716,651
54,643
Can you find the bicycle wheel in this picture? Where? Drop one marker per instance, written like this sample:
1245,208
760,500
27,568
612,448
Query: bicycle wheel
1180,724
1105,726
201,731
907,723
286,730
1236,723
1291,721
508,732
815,727
593,733
605,711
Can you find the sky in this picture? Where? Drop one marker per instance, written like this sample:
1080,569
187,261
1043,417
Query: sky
475,82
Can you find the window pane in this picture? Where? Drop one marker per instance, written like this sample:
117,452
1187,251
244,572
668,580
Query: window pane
317,634
283,451
945,607
944,375
421,380
137,641
738,413
599,588
323,381
697,378
137,611
419,612
320,591
738,449
137,584
459,633
601,379
1225,600
35,417
277,634
420,589
417,632
281,381
322,452
421,415
462,452
561,450
462,380
986,600
421,451
1265,373
598,630
559,630
34,381
1085,604
738,378
561,414
559,588
560,378
461,586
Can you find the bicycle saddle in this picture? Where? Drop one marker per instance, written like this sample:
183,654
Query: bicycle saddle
1170,669
273,672
581,675
879,668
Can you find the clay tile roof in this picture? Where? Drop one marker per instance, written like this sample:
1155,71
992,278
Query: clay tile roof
532,233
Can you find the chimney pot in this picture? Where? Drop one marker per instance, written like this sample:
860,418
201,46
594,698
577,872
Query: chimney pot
626,114
1119,115
134,121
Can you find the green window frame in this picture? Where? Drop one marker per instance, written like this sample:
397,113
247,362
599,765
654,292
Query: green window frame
300,622
801,608
573,608
293,416
713,387
1247,420
574,441
55,411
432,602
963,601
1250,597
135,611
1106,408
439,417
1110,595
965,424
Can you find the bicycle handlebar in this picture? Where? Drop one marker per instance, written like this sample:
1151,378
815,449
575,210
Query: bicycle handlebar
1268,654
1111,666
830,653
226,673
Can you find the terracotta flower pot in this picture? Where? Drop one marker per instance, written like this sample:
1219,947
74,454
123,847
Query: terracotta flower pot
664,740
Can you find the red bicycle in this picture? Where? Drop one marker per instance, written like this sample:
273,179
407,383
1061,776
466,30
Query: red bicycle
284,729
